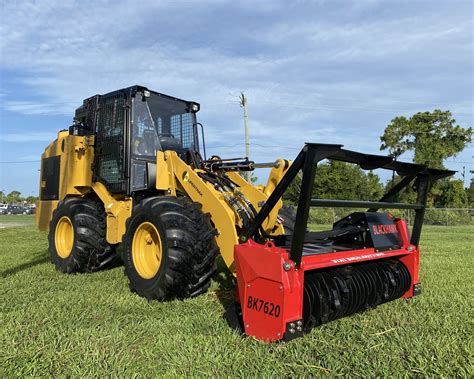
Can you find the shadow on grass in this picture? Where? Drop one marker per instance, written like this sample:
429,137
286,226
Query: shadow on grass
226,283
39,259
226,295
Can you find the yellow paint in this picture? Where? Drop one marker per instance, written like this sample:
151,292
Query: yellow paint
147,250
172,182
79,154
64,237
44,213
275,176
118,210
212,202
75,177
163,181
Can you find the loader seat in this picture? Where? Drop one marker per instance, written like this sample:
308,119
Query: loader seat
170,142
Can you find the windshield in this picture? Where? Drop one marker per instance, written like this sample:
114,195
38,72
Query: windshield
161,123
144,137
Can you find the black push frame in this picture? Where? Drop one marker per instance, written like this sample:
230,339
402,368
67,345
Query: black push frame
307,161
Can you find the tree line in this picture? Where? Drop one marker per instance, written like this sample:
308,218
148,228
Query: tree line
15,197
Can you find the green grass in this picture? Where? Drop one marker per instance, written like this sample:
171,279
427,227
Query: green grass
17,219
91,325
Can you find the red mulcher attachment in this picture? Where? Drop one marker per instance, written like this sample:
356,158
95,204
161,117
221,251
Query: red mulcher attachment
289,284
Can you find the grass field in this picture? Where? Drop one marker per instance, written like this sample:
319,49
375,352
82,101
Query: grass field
91,325
16,220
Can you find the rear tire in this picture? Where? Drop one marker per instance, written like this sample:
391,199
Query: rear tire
77,236
169,249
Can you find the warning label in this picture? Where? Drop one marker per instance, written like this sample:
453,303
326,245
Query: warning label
357,258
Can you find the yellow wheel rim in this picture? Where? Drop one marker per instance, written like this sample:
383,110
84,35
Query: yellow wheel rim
64,237
147,250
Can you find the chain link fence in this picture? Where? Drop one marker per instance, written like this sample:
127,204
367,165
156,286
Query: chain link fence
433,216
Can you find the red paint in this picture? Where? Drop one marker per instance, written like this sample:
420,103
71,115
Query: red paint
270,297
260,275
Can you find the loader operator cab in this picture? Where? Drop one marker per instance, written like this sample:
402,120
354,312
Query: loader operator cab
129,127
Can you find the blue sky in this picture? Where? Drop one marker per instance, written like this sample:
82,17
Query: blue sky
319,71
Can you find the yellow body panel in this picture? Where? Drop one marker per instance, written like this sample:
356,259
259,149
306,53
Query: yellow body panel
44,213
76,155
163,177
117,211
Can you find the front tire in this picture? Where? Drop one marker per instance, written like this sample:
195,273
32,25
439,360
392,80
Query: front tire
77,236
169,249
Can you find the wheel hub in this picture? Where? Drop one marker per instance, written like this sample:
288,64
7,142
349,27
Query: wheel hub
147,250
64,237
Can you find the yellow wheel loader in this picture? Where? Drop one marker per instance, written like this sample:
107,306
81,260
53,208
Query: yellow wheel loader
129,172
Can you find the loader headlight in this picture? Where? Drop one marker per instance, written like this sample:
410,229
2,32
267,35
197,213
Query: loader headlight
194,107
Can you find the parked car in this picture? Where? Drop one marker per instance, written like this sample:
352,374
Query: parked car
15,209
29,211
3,211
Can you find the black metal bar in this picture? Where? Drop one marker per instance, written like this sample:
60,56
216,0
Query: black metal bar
405,182
362,204
371,161
275,196
203,141
322,151
424,183
302,212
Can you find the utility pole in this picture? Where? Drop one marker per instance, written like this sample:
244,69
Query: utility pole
243,104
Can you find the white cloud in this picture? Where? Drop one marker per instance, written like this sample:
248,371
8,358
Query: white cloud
37,107
335,77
